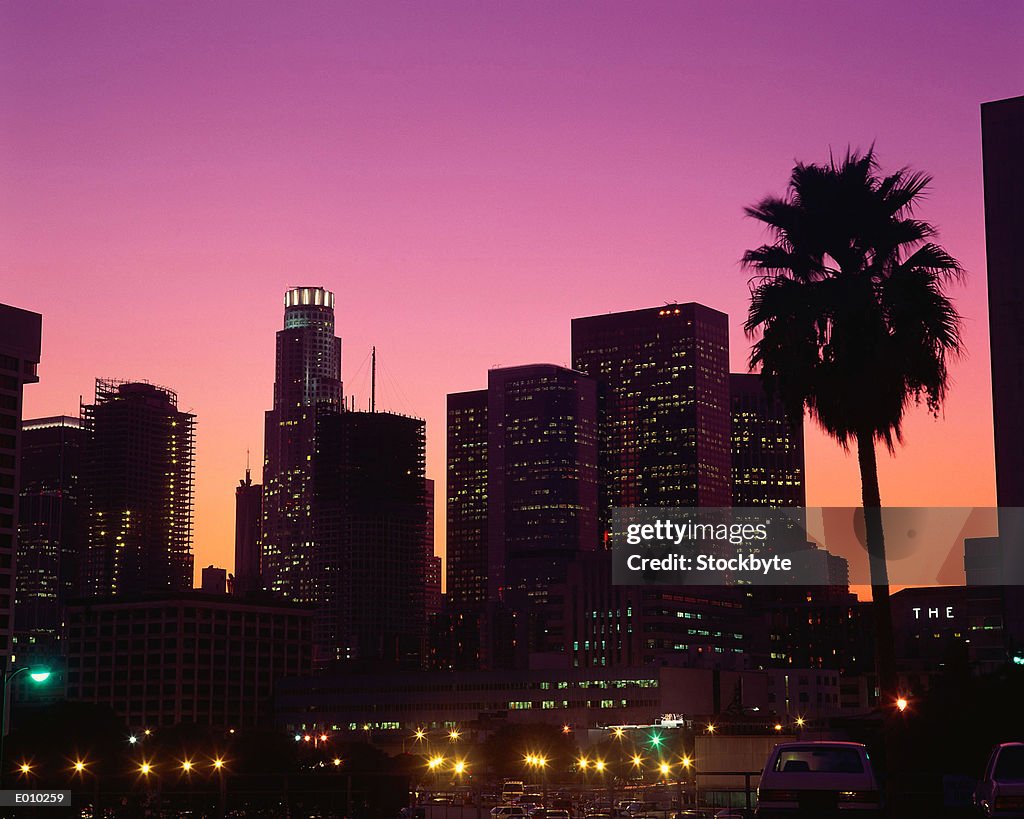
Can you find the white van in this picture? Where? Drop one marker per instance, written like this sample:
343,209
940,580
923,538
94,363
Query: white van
818,779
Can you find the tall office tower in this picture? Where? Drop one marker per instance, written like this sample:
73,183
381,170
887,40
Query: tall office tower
370,518
20,341
1002,136
541,488
767,449
432,564
663,376
307,377
137,472
466,476
248,519
50,524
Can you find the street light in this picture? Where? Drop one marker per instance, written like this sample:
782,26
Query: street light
222,786
38,676
540,762
688,765
454,735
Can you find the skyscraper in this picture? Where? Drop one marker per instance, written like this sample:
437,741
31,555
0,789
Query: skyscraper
248,519
20,341
50,536
522,504
541,502
466,476
370,516
307,378
663,380
767,449
137,471
432,566
1002,136
541,477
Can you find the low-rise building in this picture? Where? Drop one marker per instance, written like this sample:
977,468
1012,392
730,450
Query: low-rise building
187,657
397,704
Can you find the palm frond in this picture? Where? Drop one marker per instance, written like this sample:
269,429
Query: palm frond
848,315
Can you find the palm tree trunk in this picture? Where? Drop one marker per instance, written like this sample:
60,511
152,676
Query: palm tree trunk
885,650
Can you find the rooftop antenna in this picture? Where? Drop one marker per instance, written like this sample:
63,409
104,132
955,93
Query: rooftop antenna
373,379
247,478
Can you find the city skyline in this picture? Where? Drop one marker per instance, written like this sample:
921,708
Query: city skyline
462,228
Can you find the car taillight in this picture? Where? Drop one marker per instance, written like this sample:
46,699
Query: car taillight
1009,802
858,797
769,795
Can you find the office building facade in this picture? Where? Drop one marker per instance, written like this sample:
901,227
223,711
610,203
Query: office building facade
1002,134
248,521
383,705
205,659
137,471
541,478
307,379
663,379
51,535
767,449
370,530
609,626
466,501
20,344
432,565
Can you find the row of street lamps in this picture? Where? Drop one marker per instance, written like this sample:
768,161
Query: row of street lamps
145,768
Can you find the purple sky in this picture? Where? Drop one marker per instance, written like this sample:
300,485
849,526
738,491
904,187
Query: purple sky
466,178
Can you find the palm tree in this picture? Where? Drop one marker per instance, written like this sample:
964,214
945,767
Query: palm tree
852,322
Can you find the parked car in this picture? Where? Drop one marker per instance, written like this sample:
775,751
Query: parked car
734,813
508,812
1000,793
549,813
817,779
